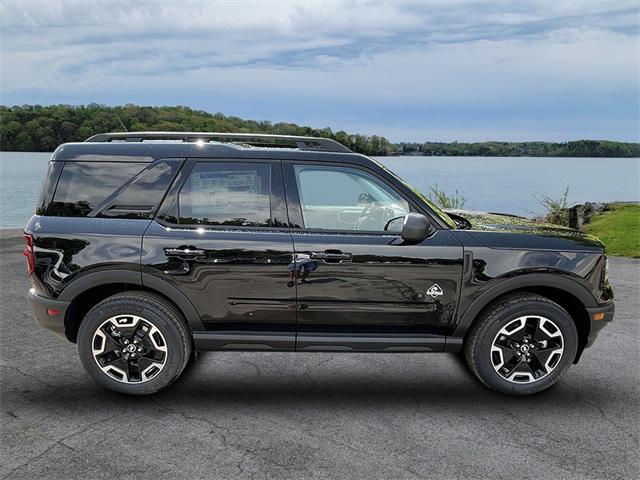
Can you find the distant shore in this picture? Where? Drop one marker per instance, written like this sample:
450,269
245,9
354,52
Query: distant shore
38,128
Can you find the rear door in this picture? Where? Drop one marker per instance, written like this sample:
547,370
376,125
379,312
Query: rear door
359,285
222,239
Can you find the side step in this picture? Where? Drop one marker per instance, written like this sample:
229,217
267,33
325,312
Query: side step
323,342
251,341
319,342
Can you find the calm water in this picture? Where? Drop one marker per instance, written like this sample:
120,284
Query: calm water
499,184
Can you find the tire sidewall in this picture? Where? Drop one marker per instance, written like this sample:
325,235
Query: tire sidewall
500,319
147,311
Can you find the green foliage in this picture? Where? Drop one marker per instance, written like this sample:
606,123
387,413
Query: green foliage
453,201
578,148
619,229
557,208
43,128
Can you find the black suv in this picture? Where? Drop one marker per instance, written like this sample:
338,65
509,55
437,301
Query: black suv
147,247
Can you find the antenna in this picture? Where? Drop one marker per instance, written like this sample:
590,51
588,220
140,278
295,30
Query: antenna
125,128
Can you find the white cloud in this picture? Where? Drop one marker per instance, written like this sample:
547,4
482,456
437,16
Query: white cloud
331,62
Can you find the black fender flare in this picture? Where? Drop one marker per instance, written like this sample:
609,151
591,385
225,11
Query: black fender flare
557,281
176,296
165,289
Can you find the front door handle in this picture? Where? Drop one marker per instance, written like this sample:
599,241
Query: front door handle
331,256
185,253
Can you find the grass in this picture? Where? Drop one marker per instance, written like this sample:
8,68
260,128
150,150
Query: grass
557,208
453,201
619,229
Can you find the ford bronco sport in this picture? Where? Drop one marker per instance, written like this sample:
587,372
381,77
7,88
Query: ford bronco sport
147,247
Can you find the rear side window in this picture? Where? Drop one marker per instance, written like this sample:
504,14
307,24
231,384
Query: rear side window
140,197
233,194
110,189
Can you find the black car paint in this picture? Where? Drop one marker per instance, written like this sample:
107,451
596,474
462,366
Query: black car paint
237,296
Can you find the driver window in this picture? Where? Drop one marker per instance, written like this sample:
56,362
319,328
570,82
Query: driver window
343,198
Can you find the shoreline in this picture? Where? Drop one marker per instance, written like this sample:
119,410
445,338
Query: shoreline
10,233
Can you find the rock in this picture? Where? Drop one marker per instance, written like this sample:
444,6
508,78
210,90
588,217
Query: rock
579,215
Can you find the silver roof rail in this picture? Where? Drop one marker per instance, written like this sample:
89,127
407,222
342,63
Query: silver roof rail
318,144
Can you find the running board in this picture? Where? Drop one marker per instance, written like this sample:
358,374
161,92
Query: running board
318,342
244,341
323,342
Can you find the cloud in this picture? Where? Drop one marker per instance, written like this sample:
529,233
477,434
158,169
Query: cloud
464,69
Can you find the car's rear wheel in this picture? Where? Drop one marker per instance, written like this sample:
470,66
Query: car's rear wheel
521,344
134,342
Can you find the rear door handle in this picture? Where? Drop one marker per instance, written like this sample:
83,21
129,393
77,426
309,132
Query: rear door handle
185,253
331,256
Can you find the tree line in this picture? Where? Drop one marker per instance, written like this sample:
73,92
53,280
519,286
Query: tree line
33,128
577,148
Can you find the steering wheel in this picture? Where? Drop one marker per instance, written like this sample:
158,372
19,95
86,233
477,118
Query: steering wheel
386,225
373,213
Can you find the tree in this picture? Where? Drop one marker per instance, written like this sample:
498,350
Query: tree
43,128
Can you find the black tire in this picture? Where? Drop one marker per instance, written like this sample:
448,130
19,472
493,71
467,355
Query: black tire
167,326
505,314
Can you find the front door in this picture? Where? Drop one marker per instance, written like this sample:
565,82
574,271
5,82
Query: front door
358,284
221,238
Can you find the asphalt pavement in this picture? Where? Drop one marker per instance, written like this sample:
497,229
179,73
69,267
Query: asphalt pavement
314,415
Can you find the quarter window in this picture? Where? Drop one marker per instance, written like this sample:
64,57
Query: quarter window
343,198
142,194
234,194
84,185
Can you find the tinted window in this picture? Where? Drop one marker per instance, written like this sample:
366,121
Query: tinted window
140,197
48,187
84,185
343,198
236,194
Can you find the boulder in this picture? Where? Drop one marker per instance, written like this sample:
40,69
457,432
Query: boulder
581,214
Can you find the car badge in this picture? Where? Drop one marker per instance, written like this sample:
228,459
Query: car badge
435,291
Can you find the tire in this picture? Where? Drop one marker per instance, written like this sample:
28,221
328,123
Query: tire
521,344
134,342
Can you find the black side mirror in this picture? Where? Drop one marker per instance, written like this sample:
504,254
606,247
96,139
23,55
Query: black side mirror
415,227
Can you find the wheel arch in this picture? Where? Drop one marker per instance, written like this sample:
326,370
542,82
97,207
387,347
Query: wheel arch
96,286
567,293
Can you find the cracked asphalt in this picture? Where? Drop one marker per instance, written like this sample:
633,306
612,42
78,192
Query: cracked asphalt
314,415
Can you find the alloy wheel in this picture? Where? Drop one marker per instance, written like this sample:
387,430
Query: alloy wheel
527,349
129,349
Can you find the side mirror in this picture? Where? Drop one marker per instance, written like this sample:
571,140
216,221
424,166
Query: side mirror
415,227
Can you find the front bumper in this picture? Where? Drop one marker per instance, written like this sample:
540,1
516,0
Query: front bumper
48,312
606,311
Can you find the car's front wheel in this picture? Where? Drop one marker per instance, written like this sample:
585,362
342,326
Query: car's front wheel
521,344
134,342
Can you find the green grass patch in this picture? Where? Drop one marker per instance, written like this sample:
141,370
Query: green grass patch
619,229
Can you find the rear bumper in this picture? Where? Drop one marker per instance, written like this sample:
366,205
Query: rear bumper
597,325
43,310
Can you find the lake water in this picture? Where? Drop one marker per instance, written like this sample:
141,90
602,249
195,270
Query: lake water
498,184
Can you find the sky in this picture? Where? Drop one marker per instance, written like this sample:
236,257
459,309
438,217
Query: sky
431,70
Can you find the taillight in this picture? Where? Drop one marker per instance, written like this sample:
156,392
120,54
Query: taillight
28,252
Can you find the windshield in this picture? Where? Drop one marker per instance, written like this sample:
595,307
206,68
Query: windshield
437,210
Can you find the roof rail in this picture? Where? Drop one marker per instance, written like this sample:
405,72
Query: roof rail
258,139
